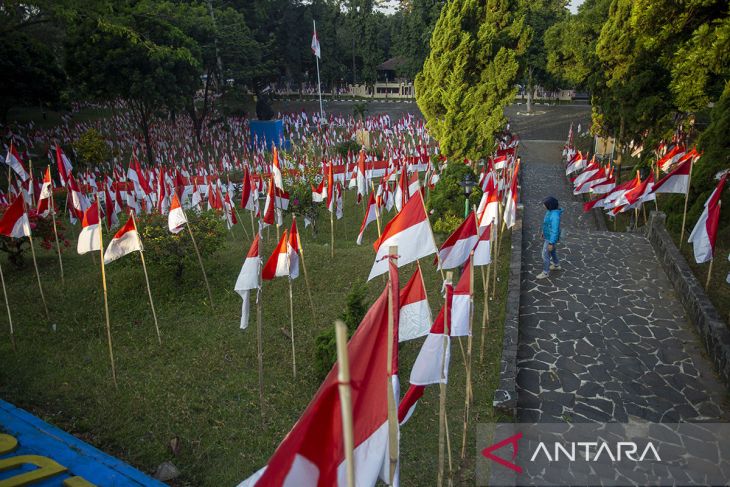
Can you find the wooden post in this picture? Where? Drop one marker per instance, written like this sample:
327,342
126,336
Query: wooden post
291,325
260,343
32,247
304,267
106,302
343,377
684,213
442,390
332,232
200,261
147,281
468,389
55,232
485,311
7,306
497,239
709,275
392,412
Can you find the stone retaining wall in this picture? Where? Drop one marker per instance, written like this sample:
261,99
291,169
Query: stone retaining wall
505,396
713,331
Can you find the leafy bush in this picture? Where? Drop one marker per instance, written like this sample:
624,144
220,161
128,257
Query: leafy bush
447,224
446,201
346,146
41,229
91,149
300,192
175,251
356,307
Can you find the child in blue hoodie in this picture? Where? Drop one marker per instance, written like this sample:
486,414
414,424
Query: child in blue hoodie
551,234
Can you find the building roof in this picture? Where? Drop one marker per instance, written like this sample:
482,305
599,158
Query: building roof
392,64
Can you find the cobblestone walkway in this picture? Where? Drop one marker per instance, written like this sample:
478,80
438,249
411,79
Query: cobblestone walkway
605,339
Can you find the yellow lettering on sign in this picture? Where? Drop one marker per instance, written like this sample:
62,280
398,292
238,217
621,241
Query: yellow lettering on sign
7,444
46,468
77,482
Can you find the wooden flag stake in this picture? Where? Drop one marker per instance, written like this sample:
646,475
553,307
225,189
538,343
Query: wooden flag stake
7,306
260,342
32,247
291,325
332,232
393,447
200,261
106,302
485,311
442,391
55,231
304,267
684,213
147,281
343,377
468,391
709,275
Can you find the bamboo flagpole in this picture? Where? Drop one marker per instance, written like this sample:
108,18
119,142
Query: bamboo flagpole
200,261
468,392
332,229
442,390
7,306
38,276
712,260
343,378
485,311
304,267
393,446
684,213
291,326
147,281
260,343
52,205
106,301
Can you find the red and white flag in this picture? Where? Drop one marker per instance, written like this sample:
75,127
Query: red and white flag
13,160
293,249
45,195
704,234
510,209
361,180
63,164
407,405
370,216
249,201
576,164
14,222
410,230
415,313
137,176
455,250
432,364
125,241
462,305
312,454
278,264
315,42
488,210
248,279
90,228
276,171
676,181
176,219
483,249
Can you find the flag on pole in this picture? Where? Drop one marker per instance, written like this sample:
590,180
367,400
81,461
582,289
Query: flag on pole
176,219
461,305
293,250
410,230
483,251
278,264
510,209
90,228
13,160
125,241
415,313
455,250
676,181
45,195
431,359
361,180
370,216
248,279
63,164
315,44
14,222
313,452
704,234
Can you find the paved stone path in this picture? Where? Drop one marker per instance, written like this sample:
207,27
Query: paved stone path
605,339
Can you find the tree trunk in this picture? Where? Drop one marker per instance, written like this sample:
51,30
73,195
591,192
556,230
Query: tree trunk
617,148
530,90
144,120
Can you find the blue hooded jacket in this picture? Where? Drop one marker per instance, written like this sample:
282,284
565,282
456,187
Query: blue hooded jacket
551,223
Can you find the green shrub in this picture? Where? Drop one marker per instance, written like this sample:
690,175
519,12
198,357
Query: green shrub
42,231
447,198
349,145
174,251
356,306
447,224
91,149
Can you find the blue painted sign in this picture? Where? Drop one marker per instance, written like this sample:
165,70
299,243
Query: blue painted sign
33,451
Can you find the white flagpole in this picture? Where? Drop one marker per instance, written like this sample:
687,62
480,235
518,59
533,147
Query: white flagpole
319,85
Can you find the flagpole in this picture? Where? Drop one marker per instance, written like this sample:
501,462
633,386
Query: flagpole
200,261
393,446
7,306
319,84
343,377
684,214
304,266
497,240
260,340
106,301
55,231
442,388
32,248
291,326
468,391
332,229
147,281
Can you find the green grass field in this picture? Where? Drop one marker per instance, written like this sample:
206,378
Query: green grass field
201,385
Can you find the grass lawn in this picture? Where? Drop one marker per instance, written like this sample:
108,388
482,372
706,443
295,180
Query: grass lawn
201,385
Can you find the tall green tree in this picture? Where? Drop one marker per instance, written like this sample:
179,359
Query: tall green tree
470,73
